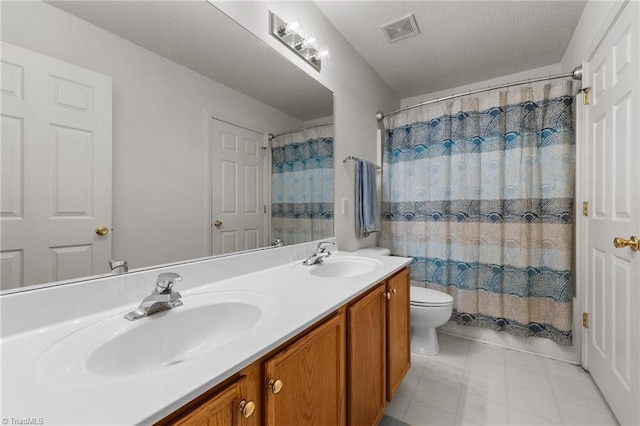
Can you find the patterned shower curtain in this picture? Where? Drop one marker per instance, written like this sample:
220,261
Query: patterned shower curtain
302,185
479,191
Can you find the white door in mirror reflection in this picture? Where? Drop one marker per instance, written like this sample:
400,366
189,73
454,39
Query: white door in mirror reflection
55,169
238,189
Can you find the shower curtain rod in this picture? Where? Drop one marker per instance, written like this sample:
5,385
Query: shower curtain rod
271,135
576,74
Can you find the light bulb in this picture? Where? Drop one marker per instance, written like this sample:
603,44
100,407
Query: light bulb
306,43
293,25
310,40
323,52
290,26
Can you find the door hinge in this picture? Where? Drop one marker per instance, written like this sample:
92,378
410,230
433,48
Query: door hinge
264,151
585,319
585,95
264,209
585,208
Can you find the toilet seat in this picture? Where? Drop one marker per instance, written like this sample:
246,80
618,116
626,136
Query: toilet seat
427,297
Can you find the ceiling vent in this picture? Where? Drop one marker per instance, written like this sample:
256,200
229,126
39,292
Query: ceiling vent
400,28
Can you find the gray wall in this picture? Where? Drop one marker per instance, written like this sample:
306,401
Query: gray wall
358,93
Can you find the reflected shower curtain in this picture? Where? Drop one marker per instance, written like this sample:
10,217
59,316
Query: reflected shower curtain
479,191
302,185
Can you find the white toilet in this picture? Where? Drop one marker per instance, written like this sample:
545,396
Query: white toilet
429,309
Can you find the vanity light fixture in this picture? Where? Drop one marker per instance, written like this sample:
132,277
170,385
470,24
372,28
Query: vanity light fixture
289,33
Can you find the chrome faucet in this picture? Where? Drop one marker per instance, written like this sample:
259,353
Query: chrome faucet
319,255
162,298
119,266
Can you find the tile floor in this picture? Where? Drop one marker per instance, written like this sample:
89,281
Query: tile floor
471,383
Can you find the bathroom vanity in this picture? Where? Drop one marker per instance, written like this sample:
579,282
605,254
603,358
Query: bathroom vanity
361,351
278,343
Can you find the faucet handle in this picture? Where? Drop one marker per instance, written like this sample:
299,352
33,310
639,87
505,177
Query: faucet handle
166,280
322,246
119,266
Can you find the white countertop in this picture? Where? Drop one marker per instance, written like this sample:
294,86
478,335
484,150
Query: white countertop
74,395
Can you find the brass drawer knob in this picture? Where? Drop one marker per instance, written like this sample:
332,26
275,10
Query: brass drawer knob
275,385
247,408
387,294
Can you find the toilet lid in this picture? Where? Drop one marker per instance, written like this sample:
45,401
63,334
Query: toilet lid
421,296
374,251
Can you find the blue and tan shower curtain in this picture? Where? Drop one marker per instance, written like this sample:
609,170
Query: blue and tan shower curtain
302,185
480,192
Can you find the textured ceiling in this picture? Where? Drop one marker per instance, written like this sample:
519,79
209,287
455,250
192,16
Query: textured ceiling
200,37
460,42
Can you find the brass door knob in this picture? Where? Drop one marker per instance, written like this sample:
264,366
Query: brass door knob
217,224
102,230
388,295
275,385
633,243
247,408
394,291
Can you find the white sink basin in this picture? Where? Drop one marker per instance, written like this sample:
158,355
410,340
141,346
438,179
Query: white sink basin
344,267
115,346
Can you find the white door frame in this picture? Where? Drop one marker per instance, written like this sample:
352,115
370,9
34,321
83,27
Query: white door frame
266,178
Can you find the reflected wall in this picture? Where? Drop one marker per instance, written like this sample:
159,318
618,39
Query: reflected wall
162,109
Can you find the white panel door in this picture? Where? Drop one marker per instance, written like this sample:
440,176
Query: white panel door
237,202
55,169
613,293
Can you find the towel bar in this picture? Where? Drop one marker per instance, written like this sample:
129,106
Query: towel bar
345,158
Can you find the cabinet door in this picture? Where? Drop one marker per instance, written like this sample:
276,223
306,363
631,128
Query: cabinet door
220,410
366,338
398,331
305,382
234,405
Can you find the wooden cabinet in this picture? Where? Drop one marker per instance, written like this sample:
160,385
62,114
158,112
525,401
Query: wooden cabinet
366,348
398,331
232,404
378,348
220,410
305,382
341,371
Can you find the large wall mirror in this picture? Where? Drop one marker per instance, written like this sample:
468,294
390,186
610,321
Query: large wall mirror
138,131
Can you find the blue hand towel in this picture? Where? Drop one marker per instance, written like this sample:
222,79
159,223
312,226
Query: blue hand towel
367,220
